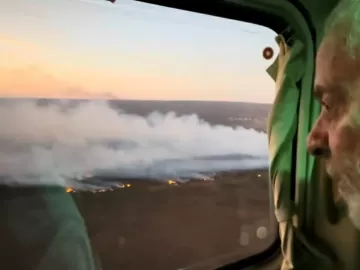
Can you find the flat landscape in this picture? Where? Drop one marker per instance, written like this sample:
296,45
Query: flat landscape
155,225
164,224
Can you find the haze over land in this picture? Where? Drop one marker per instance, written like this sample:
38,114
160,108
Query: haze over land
70,140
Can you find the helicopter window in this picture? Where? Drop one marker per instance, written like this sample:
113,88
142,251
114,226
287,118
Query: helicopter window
153,120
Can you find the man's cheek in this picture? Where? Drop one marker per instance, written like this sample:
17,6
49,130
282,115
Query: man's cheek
350,115
347,141
344,139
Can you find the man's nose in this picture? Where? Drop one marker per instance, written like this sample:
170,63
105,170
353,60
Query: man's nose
317,141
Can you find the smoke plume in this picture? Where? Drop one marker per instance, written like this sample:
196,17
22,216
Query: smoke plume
65,143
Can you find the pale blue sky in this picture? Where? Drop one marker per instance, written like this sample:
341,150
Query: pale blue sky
130,50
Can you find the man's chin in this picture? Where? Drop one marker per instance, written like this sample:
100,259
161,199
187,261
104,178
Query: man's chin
353,204
350,196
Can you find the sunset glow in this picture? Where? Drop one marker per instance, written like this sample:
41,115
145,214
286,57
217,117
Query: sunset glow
129,51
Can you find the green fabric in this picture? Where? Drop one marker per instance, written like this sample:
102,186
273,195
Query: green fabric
48,229
287,70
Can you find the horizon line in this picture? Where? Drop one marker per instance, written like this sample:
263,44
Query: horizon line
133,100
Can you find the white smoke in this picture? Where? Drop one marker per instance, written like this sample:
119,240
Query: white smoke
50,145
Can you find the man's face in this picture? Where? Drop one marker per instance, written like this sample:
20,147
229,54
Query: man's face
336,134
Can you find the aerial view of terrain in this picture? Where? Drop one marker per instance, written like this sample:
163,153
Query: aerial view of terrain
192,191
133,137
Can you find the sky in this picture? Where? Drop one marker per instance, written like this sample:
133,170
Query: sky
130,50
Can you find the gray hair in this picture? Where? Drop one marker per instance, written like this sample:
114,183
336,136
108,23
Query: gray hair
343,25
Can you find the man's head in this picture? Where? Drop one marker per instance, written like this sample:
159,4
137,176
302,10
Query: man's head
336,134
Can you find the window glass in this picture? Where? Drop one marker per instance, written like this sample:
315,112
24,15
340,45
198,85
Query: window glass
151,120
